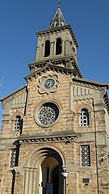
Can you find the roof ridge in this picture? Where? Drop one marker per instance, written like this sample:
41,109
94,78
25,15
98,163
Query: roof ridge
14,92
90,81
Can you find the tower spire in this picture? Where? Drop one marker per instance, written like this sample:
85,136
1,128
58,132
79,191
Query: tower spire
58,19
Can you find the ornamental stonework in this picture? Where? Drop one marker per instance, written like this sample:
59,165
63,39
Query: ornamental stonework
48,84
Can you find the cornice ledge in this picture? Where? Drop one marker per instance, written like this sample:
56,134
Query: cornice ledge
60,28
51,59
49,138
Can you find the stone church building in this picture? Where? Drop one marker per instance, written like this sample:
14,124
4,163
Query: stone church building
55,129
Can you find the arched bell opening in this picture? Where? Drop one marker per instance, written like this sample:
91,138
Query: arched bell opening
47,48
58,46
43,174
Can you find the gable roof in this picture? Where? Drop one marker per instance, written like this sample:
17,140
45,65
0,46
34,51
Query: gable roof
102,86
16,91
50,66
82,80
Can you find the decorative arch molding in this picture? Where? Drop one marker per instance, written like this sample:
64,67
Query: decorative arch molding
84,104
40,153
17,113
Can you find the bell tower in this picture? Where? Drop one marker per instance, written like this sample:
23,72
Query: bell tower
58,43
55,129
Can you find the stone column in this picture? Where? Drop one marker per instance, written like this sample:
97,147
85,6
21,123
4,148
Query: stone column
26,182
67,47
35,182
52,50
63,47
64,173
38,52
42,50
30,181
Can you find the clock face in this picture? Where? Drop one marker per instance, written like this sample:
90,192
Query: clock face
49,83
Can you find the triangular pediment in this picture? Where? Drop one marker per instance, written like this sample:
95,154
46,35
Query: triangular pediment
52,67
62,64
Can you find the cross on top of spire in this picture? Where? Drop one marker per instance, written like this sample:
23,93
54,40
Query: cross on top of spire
59,2
58,19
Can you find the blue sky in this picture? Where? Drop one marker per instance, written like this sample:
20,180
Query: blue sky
20,20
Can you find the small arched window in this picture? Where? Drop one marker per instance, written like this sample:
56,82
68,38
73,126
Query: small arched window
17,123
58,46
84,117
47,48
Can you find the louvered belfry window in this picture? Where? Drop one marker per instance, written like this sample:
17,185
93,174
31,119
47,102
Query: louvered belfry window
58,46
47,48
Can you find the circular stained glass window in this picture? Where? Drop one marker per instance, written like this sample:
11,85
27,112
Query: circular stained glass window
48,113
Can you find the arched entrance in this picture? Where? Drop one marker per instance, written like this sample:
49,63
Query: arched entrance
43,172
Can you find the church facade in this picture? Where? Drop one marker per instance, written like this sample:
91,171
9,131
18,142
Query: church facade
55,129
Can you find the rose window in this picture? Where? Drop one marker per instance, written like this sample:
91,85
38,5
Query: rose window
48,113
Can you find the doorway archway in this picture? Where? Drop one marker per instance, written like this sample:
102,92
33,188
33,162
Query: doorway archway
43,172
